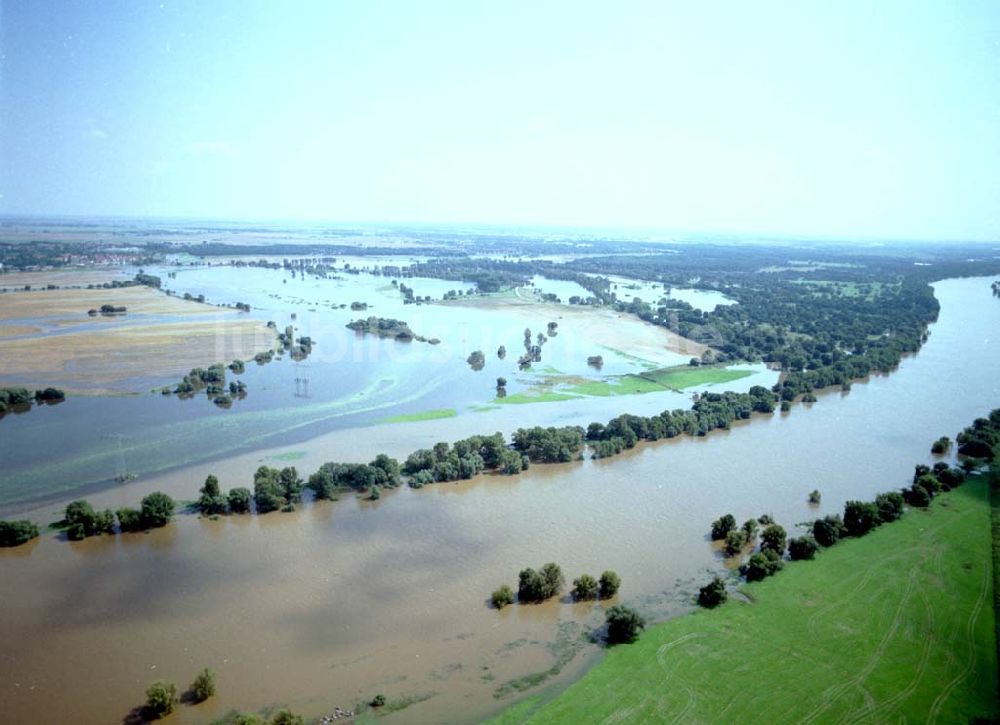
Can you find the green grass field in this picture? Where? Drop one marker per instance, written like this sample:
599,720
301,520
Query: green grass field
897,626
422,415
686,376
534,395
556,388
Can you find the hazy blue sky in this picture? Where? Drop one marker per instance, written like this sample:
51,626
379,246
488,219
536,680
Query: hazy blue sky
859,119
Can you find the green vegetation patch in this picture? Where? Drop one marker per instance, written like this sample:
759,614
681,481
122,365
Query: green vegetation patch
422,415
617,385
895,626
534,395
567,387
686,376
288,456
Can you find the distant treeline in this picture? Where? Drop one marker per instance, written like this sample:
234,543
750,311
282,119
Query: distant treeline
219,249
389,328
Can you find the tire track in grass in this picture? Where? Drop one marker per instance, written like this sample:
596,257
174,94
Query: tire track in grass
839,602
970,641
837,691
925,655
661,651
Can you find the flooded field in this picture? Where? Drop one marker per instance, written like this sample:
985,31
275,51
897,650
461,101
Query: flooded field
331,604
349,380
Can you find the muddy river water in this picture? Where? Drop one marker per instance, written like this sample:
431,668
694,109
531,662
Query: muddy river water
339,601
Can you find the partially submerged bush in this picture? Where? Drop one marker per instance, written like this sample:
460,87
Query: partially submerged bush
713,594
502,596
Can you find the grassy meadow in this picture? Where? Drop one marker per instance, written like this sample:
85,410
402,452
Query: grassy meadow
562,387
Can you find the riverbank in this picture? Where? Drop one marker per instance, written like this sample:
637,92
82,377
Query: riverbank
898,625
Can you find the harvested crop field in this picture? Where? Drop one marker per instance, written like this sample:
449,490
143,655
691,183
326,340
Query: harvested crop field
158,339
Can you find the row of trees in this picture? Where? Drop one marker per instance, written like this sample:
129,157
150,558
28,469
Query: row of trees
547,582
81,520
280,489
463,460
710,412
859,517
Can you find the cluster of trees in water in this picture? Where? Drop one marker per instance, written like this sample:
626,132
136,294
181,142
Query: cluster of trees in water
15,533
547,582
19,400
80,520
161,696
859,518
389,328
534,586
213,381
298,348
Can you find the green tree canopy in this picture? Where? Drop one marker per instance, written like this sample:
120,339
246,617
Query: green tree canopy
624,624
157,509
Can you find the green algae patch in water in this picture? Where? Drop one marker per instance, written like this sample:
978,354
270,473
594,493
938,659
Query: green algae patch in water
422,415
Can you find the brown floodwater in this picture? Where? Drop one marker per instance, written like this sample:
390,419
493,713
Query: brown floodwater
334,603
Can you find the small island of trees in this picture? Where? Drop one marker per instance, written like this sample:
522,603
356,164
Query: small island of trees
213,381
387,327
19,400
107,311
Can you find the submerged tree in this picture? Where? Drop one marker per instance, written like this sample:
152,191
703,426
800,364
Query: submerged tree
203,686
713,594
722,526
610,583
160,698
502,596
211,500
15,533
585,587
